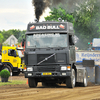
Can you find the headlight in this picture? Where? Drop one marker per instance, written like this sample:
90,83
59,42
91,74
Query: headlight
63,68
29,74
68,67
29,69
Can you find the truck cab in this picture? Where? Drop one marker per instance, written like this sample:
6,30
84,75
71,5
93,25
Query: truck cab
12,59
50,54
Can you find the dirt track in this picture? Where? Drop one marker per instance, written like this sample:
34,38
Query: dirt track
23,92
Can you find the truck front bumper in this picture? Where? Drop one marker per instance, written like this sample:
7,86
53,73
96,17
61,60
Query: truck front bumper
47,74
47,71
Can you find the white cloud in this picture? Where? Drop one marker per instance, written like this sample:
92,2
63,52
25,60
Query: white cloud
16,14
14,18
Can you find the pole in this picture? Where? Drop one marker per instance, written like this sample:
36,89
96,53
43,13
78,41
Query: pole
11,76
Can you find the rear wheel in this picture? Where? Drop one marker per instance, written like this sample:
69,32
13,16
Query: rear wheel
70,81
85,79
32,82
7,67
44,84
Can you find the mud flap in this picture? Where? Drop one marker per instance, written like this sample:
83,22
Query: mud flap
80,74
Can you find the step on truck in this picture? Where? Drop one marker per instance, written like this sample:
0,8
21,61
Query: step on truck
50,55
11,59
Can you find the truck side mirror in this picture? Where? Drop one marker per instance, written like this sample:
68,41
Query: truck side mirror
73,42
23,41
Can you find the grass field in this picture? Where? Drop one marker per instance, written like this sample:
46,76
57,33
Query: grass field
13,82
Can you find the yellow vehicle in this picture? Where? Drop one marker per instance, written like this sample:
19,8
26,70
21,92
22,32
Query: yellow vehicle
12,60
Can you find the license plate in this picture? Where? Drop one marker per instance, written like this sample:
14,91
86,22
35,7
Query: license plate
46,73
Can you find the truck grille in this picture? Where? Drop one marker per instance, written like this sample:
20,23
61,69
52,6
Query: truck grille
48,69
41,57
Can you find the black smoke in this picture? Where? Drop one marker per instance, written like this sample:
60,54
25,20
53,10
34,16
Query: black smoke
40,6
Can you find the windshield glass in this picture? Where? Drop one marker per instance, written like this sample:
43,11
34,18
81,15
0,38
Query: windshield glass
20,53
46,40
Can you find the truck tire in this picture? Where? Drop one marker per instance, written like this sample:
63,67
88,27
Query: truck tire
84,84
7,67
44,84
16,73
70,81
32,82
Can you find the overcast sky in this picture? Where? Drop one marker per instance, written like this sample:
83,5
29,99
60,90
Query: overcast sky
16,14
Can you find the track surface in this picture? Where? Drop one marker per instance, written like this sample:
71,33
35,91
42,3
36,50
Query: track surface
23,92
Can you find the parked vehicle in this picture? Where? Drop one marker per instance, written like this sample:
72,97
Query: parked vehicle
12,59
96,44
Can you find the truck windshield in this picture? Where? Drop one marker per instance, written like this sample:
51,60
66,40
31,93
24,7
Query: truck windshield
20,53
46,40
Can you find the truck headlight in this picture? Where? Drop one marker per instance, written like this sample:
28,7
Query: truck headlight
29,69
63,68
68,67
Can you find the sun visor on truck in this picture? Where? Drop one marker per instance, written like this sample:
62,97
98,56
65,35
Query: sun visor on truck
88,63
61,27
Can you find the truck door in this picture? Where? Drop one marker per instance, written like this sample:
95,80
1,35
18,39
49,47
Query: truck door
72,48
13,57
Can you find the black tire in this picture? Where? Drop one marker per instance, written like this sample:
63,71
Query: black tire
7,67
70,81
44,84
84,84
32,82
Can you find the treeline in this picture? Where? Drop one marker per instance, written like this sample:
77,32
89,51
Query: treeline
16,32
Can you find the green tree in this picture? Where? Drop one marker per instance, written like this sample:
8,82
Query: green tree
86,23
17,33
21,36
5,35
59,13
1,38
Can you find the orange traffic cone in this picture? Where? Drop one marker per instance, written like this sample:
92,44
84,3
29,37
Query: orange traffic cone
27,81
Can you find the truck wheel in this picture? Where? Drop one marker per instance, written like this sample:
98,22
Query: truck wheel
44,84
32,82
84,84
16,73
7,67
70,81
